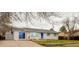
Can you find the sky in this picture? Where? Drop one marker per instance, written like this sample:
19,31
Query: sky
44,24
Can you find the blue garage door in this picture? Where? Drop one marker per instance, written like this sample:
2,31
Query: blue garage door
42,35
21,35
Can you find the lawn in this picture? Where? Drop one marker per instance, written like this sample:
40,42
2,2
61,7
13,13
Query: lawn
58,43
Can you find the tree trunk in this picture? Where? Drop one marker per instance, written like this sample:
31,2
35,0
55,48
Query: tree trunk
3,36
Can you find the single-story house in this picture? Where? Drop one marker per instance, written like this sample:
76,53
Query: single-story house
64,35
30,33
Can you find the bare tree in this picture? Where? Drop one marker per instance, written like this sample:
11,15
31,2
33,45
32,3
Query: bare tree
4,22
70,25
46,16
5,17
28,17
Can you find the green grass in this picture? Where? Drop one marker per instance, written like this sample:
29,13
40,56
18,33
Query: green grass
58,42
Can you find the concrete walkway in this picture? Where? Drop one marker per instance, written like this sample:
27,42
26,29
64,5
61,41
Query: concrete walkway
12,43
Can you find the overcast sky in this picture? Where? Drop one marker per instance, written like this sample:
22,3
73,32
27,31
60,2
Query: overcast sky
44,24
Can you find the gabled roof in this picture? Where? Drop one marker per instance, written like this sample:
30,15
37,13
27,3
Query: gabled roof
33,30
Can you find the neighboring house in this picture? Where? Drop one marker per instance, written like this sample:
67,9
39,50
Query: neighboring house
30,33
64,35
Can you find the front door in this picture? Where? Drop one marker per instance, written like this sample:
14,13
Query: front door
21,35
42,35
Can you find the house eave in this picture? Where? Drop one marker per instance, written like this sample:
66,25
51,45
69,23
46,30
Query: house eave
33,30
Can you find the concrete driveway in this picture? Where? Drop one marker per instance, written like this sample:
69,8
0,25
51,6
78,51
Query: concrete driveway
13,43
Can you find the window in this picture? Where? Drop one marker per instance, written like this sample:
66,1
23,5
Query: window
21,35
55,34
48,34
34,34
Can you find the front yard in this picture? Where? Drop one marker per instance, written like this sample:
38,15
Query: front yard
58,43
